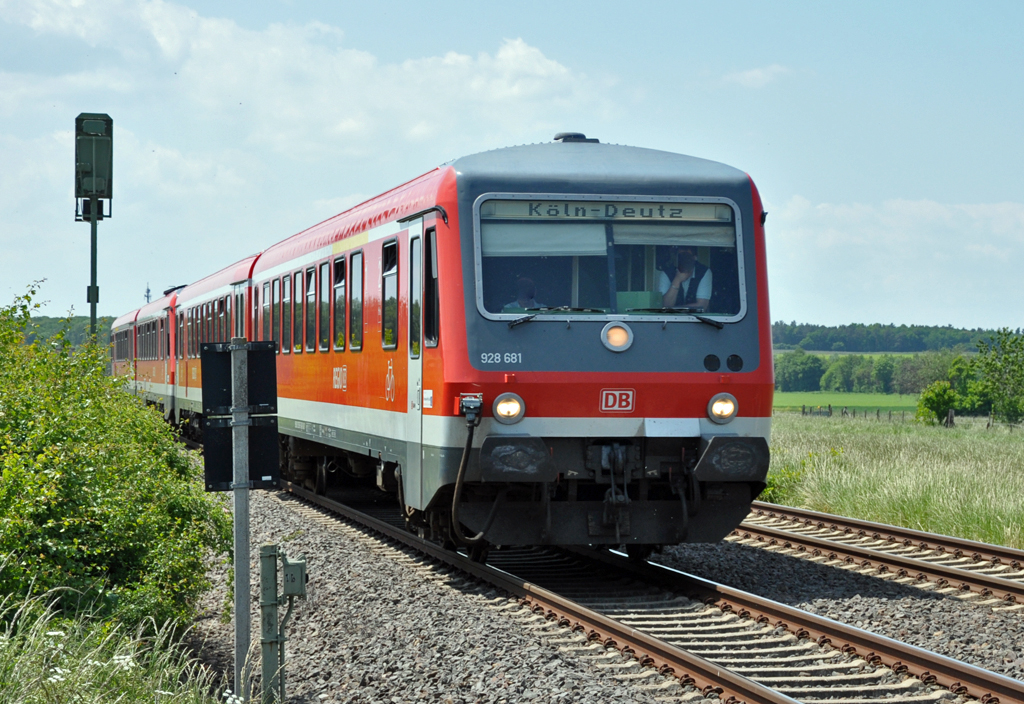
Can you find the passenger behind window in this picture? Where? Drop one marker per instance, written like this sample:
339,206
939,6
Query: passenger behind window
526,296
690,286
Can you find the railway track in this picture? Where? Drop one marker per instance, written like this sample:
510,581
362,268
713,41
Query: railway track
977,572
714,640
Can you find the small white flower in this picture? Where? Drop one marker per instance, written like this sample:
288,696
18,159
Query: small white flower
160,691
55,633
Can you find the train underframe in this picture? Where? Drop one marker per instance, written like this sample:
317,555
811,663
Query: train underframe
642,493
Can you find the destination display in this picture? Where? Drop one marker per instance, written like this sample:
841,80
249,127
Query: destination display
526,209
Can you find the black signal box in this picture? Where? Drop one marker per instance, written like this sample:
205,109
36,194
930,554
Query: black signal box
218,445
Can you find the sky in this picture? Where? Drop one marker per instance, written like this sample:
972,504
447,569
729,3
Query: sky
885,138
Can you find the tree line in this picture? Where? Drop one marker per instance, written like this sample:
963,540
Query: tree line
74,329
988,382
876,337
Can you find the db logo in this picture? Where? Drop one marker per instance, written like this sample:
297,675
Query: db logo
617,400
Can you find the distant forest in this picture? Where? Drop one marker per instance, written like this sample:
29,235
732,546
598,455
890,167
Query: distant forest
44,327
876,337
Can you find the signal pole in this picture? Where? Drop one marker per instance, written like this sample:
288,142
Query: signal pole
94,149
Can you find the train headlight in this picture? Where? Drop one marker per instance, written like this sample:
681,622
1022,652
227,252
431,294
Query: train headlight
617,337
508,408
722,408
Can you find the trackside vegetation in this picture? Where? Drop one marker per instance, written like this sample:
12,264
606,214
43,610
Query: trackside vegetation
966,481
96,497
49,658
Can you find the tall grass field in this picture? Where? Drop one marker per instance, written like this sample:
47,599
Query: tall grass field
793,400
966,481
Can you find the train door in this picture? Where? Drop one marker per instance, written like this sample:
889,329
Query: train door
411,473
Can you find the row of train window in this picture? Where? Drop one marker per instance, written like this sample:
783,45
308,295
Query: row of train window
305,311
209,322
152,339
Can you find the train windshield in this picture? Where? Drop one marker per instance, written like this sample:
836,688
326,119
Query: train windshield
593,257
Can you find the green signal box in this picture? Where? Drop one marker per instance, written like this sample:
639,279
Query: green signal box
94,133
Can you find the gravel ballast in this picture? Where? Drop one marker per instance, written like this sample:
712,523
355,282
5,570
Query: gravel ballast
944,624
383,626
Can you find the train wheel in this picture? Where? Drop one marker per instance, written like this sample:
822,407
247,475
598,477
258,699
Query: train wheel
320,486
639,553
479,553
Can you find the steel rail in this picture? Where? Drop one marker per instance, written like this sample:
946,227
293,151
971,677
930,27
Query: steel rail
964,580
689,668
956,676
996,554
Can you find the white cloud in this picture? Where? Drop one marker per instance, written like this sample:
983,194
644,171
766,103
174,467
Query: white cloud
228,139
898,261
757,77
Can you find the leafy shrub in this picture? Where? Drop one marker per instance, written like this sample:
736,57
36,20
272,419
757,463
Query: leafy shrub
936,401
95,494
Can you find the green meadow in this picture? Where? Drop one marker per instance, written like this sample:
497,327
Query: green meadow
793,400
966,481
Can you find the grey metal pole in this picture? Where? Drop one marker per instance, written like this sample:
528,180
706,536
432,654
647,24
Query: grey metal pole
94,291
269,640
240,485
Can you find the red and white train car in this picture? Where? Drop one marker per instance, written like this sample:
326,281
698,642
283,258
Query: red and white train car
603,308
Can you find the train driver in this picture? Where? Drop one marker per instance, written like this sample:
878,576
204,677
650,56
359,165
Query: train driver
527,296
690,287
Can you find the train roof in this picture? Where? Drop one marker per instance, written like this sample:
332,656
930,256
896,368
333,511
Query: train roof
156,308
404,200
124,320
595,167
211,285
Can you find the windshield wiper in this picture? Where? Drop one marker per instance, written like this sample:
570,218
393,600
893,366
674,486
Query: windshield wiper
686,311
710,321
520,321
551,309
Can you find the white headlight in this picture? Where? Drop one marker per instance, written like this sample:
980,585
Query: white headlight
508,408
617,336
722,408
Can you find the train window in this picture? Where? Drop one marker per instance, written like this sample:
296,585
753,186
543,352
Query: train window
286,314
256,310
324,306
297,313
275,315
266,311
586,257
224,319
415,295
240,315
161,353
431,307
389,297
339,303
311,310
355,306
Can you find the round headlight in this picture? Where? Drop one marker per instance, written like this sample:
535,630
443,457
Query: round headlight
508,408
617,337
722,408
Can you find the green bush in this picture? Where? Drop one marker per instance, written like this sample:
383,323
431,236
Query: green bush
95,494
936,401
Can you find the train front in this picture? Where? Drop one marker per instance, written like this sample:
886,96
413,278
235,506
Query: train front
618,340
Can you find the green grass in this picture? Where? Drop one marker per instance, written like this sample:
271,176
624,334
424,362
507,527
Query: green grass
47,658
966,481
793,400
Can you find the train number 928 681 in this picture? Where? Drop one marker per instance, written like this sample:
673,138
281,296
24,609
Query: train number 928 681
498,358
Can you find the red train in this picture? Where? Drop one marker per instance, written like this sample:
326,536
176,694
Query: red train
560,343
